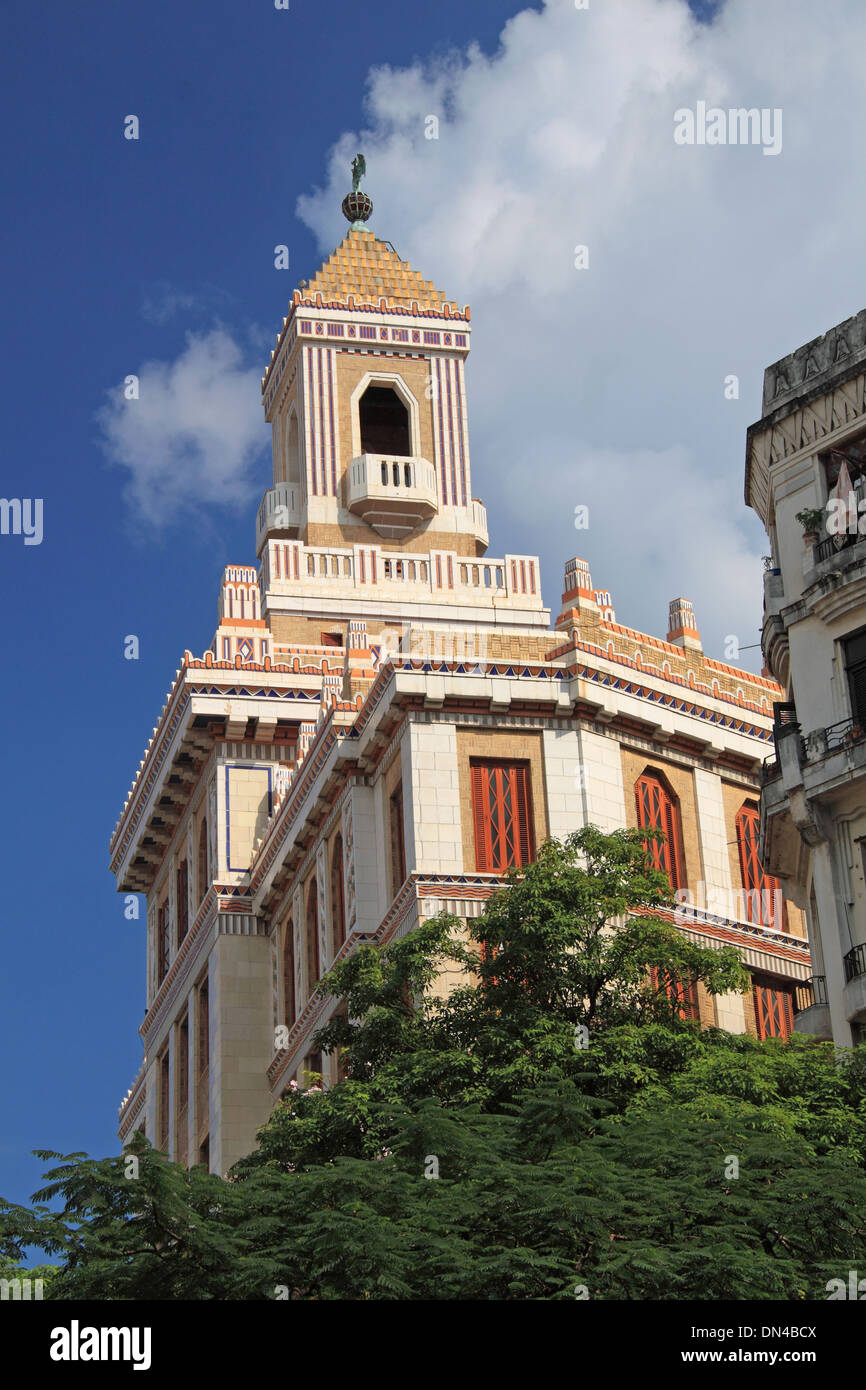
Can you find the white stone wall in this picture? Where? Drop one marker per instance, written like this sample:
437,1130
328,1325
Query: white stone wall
244,813
370,886
601,781
730,1012
192,1153
563,764
435,783
713,840
241,1045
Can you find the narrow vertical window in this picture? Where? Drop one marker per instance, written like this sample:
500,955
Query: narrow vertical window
855,669
314,968
658,809
502,815
163,923
164,1082
289,973
181,1086
203,1029
338,904
202,1089
398,842
182,891
203,867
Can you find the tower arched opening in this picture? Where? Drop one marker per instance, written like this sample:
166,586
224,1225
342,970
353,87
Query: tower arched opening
384,421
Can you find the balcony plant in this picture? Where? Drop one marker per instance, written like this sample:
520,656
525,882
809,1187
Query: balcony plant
811,519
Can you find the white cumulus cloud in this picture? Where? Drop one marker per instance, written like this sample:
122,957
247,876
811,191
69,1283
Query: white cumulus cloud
193,435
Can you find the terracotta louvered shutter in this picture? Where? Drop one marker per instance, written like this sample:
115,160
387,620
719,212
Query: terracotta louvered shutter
481,821
657,810
761,889
670,825
682,992
521,800
503,821
502,817
773,1010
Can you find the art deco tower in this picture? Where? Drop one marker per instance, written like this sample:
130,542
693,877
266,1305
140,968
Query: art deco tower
385,722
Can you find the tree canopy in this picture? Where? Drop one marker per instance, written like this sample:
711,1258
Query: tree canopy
552,1128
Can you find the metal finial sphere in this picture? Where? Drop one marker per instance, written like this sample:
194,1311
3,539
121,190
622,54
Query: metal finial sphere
357,208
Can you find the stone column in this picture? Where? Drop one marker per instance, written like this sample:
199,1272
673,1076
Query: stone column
434,778
601,781
564,781
832,941
242,1042
713,840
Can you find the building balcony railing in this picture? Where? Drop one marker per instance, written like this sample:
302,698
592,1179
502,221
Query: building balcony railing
833,545
810,992
822,742
479,522
369,571
393,495
796,750
786,736
770,770
279,513
854,963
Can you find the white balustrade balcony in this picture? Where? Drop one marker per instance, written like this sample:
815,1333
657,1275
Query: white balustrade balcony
279,513
479,522
393,495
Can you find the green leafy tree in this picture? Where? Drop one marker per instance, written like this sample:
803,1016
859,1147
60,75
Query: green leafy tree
567,950
552,1129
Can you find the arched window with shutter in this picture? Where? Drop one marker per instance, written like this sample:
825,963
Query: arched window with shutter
658,809
763,893
501,815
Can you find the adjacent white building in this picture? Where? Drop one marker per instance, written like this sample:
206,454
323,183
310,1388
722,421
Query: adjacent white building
806,479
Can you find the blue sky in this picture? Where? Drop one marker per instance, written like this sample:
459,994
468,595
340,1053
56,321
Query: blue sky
238,106
117,251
